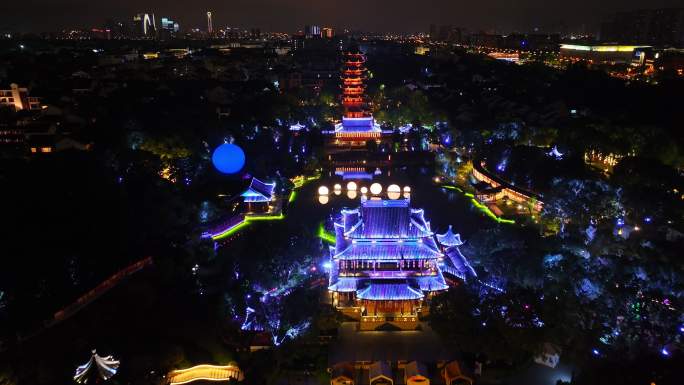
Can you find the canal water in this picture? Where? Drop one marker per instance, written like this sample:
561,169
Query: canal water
443,207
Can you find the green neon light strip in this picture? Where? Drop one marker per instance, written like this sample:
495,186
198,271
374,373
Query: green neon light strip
299,182
324,235
246,222
252,218
484,209
231,231
489,212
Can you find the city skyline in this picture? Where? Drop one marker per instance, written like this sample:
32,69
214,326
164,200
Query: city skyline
270,192
290,15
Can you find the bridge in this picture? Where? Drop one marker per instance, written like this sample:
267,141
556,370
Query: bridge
205,373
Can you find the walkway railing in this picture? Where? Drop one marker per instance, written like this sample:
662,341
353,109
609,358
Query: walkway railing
100,289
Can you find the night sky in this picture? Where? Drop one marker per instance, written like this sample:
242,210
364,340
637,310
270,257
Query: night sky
291,15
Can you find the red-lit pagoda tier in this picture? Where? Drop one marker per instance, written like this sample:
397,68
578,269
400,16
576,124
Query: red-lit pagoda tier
353,87
357,121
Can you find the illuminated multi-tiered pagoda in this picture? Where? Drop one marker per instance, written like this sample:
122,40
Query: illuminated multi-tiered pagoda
385,263
357,122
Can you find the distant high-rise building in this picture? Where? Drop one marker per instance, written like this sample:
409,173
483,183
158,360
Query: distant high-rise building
137,25
18,98
298,42
447,33
312,31
647,26
169,29
119,30
210,24
144,25
101,33
327,32
169,24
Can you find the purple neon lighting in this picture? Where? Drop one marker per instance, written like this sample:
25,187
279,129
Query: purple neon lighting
230,227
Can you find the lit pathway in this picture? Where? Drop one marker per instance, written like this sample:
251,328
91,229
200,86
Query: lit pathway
205,373
240,221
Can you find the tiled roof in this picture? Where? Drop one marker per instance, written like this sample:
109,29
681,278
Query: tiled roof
414,369
359,125
380,369
460,262
344,284
449,239
432,283
343,369
388,250
384,222
385,219
389,291
354,175
259,191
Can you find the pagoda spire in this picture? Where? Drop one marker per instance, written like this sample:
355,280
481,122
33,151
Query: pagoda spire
357,124
354,75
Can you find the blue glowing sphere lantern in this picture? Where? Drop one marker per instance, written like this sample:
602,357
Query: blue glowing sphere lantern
228,158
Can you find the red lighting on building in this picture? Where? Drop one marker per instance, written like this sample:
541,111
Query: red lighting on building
353,87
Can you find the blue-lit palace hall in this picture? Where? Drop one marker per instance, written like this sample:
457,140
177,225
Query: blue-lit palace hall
386,262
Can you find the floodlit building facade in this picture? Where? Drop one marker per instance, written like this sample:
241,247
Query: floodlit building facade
608,54
145,25
18,98
169,28
385,263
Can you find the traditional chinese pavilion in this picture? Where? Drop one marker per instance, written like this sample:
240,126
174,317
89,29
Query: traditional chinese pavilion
449,238
259,196
97,369
357,124
385,263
